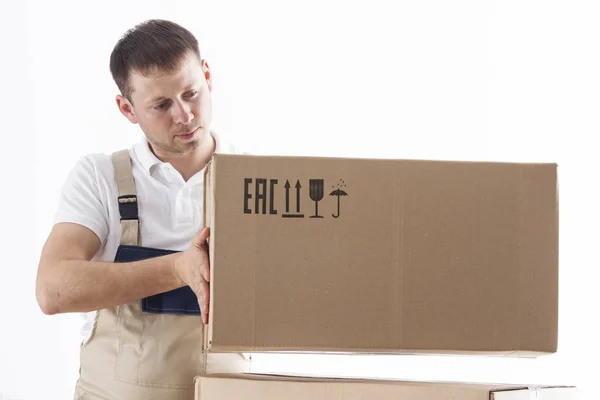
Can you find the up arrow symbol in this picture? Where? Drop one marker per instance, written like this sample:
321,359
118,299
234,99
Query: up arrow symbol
287,196
298,186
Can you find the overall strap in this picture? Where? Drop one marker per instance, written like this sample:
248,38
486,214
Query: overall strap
128,206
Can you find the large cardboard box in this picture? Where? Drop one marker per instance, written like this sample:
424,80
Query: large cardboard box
369,255
255,387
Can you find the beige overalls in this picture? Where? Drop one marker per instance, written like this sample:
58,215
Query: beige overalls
134,355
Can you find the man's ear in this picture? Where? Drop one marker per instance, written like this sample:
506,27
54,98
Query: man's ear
126,108
207,74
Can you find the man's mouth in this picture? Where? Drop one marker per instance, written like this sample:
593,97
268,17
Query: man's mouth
189,135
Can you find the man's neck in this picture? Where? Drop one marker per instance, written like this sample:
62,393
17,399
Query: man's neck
191,163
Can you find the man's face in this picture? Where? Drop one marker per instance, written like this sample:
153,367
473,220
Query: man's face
174,109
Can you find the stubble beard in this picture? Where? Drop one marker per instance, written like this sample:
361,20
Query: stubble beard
173,149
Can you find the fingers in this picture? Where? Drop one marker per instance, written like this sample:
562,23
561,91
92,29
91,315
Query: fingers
203,294
202,237
205,269
200,242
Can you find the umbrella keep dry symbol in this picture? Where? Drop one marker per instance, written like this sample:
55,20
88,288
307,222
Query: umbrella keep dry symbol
338,192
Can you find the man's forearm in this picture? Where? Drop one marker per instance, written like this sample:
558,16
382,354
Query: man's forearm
79,286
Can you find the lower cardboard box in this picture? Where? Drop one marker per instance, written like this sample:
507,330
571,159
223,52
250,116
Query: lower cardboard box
277,387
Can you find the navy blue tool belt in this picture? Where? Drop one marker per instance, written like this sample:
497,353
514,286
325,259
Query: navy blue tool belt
182,300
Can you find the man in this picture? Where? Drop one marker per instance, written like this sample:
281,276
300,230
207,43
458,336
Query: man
128,247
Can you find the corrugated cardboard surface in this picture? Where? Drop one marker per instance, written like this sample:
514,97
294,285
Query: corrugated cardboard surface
396,256
251,387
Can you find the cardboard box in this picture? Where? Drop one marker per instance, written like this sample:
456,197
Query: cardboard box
255,387
382,256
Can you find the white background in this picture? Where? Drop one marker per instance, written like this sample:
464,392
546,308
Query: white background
432,79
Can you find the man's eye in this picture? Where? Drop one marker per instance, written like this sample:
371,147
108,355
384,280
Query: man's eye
162,106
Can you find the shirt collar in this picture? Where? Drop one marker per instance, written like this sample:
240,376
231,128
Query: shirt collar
144,155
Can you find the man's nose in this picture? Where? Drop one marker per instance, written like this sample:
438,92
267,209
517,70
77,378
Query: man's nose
182,113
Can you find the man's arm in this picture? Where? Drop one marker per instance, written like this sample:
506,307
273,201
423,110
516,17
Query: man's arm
68,281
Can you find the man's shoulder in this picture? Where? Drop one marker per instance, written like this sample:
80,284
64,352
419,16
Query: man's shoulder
94,162
96,165
87,192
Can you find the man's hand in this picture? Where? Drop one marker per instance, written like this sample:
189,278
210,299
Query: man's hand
192,268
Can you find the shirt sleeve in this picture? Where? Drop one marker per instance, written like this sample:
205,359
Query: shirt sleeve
80,199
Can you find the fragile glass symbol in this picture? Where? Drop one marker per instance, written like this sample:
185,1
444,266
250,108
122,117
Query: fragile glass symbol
316,194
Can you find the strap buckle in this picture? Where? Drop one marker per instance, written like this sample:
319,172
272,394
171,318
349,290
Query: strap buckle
128,207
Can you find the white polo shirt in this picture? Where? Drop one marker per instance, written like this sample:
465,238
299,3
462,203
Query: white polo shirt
170,209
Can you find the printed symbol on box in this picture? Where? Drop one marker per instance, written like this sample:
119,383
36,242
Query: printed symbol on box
316,194
263,194
287,201
338,192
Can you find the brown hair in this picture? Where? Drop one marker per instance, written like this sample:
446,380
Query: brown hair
153,44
